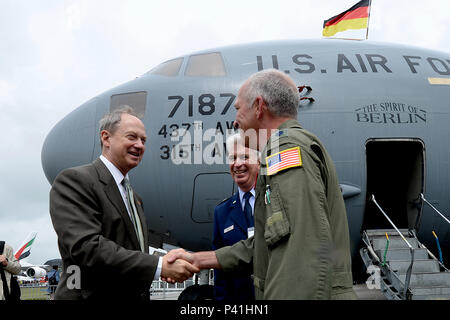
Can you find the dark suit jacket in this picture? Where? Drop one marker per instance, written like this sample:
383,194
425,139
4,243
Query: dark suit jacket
96,234
229,215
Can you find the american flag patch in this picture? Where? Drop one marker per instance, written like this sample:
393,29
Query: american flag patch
283,160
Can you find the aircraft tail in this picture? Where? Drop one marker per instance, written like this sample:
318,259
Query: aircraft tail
25,248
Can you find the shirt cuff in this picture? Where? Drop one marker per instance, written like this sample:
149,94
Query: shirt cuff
158,269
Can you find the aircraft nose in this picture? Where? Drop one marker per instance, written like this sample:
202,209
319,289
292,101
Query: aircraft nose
70,142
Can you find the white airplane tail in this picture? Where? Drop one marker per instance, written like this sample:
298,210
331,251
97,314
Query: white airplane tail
25,248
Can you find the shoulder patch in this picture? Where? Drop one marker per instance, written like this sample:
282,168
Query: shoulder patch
283,160
279,134
226,199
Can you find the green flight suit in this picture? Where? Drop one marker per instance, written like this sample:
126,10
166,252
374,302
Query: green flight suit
301,247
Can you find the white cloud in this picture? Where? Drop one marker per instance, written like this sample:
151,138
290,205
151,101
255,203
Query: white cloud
56,55
7,95
45,245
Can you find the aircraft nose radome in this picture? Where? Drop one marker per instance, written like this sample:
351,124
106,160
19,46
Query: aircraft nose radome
71,141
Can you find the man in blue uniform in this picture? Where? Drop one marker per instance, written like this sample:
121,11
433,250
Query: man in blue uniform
233,220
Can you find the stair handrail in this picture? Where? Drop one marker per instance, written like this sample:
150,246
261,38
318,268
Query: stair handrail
369,248
372,198
411,249
443,217
426,201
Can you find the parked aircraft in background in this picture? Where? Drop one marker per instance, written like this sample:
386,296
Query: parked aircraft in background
29,271
24,249
382,111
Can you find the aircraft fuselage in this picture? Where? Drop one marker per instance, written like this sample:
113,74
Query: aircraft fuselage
381,110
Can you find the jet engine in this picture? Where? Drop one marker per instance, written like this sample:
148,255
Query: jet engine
36,272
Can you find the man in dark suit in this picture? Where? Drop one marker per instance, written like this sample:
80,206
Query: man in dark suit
101,224
233,219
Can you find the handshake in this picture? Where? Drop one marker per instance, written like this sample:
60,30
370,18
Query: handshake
179,265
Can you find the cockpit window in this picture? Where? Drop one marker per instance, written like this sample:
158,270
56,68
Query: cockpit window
136,100
169,68
209,64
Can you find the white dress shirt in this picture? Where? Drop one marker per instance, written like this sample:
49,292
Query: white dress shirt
118,177
251,199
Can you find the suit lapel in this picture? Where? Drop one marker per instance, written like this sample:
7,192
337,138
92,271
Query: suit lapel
236,213
113,194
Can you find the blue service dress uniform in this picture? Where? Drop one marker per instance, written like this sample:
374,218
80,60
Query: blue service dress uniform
230,226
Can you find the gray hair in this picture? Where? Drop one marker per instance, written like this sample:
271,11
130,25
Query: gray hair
110,121
278,91
236,139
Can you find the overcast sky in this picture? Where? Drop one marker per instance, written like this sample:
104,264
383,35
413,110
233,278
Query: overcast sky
55,55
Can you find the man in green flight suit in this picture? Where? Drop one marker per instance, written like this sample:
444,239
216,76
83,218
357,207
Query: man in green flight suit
301,247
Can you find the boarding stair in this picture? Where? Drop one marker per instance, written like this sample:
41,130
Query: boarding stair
403,267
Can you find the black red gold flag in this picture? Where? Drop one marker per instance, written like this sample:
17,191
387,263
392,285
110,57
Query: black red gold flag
356,17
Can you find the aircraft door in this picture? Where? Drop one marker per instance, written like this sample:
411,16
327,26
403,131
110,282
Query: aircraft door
209,190
396,176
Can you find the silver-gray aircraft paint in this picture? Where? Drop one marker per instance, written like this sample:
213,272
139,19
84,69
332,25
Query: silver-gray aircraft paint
377,103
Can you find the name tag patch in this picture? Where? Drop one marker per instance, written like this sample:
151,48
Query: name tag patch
228,229
251,232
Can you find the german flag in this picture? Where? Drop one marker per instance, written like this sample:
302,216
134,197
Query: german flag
354,18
